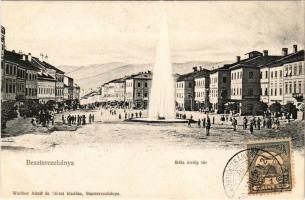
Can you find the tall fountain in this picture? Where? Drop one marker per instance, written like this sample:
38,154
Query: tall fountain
162,95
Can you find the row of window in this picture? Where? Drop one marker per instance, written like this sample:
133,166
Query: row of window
200,82
31,91
199,94
236,91
59,78
46,91
59,92
181,85
179,95
21,73
20,87
214,93
10,69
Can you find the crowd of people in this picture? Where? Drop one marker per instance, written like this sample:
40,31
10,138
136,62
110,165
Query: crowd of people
248,123
44,118
77,119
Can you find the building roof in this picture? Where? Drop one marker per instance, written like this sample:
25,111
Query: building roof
255,61
17,58
44,76
143,75
293,57
48,65
193,75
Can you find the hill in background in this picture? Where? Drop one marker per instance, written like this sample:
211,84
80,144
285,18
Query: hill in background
93,76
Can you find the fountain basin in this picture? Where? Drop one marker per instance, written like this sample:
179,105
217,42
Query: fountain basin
153,120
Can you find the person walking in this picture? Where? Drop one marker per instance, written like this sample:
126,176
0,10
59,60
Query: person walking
84,119
251,127
189,123
245,123
140,113
199,123
208,126
203,123
120,116
234,123
213,119
258,123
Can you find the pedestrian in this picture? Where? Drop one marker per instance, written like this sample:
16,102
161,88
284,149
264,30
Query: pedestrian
213,119
52,119
89,118
136,114
203,123
92,117
140,114
84,119
245,122
63,119
131,115
199,123
189,123
208,126
120,116
251,127
33,121
191,117
125,115
258,123
234,123
277,123
254,122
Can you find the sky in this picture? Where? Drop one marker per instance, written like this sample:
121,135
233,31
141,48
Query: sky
82,33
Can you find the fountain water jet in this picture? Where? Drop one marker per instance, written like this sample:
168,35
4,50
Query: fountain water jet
162,95
161,107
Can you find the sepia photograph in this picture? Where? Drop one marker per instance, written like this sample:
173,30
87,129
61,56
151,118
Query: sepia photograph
152,99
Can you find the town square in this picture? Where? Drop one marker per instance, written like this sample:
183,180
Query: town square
167,99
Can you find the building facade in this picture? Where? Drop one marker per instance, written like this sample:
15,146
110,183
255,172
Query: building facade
245,81
219,88
138,90
185,89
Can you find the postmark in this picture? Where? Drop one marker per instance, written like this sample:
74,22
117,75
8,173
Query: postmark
269,166
263,167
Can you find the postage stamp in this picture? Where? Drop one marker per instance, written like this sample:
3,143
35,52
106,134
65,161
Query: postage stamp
269,166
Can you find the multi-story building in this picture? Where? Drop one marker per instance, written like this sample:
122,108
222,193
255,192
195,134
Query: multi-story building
46,87
201,91
59,85
282,80
294,78
68,88
137,90
9,79
245,81
185,88
76,92
219,88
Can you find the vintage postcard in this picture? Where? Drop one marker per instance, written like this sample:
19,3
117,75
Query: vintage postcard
152,99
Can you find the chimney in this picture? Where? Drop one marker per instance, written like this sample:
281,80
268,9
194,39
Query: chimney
265,52
195,69
30,57
200,67
284,51
295,48
238,59
24,57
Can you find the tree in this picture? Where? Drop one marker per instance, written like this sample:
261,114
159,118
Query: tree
8,112
231,106
290,109
261,108
275,108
